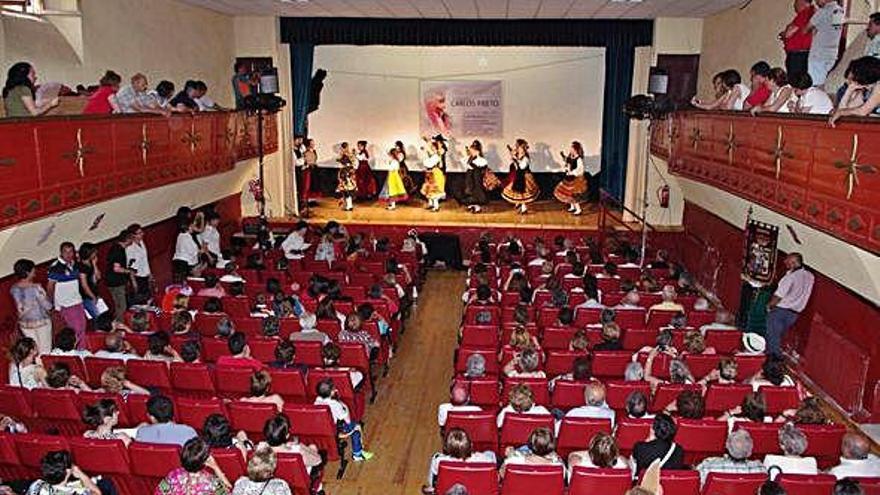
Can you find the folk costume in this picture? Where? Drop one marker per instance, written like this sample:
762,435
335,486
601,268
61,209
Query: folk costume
347,180
394,190
475,192
572,188
522,188
366,183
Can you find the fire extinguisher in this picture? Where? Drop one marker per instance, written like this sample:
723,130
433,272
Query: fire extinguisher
663,196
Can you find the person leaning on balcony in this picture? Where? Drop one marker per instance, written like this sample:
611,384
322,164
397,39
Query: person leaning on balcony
134,98
19,98
103,101
862,97
730,92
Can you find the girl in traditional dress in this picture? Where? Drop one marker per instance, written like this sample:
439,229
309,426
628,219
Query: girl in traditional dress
521,189
366,183
394,189
572,188
475,194
347,186
434,188
408,183
310,163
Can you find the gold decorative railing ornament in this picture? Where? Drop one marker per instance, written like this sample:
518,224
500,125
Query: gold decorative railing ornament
192,138
853,167
779,152
696,137
79,153
145,144
731,144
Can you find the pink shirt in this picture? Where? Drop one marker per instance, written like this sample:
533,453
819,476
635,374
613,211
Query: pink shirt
99,102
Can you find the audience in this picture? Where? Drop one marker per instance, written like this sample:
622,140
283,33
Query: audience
19,93
328,395
134,98
856,459
540,450
260,479
660,444
596,407
240,354
456,447
522,401
199,473
602,453
793,443
458,401
59,475
277,434
736,460
103,101
103,416
162,428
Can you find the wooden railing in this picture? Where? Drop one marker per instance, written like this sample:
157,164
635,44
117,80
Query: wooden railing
828,178
52,164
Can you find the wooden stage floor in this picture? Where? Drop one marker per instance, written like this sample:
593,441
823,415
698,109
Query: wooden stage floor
542,214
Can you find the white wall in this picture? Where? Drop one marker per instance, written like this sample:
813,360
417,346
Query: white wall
551,97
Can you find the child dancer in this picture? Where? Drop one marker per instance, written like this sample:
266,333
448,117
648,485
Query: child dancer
475,193
347,182
309,163
434,188
366,183
521,189
394,189
408,181
574,185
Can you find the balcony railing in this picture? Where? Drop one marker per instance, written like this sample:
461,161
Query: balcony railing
52,164
828,178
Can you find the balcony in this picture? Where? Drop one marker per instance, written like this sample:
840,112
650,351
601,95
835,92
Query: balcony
53,164
798,166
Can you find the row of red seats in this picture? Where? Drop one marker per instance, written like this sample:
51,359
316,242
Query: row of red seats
543,315
529,479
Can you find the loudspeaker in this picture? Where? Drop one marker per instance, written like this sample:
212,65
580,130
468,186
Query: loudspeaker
269,81
658,81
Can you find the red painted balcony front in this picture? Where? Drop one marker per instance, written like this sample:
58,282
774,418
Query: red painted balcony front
52,164
827,178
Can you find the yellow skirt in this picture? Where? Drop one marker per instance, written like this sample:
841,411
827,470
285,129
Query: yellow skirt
435,184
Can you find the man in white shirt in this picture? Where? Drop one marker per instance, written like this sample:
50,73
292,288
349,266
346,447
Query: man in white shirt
791,297
856,460
328,396
295,245
723,321
458,402
115,348
826,26
811,99
210,238
139,261
205,102
594,396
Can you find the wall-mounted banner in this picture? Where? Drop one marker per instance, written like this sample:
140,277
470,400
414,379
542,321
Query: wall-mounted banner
462,109
760,255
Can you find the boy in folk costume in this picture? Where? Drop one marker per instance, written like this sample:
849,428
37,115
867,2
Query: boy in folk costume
521,188
394,189
366,183
434,188
572,188
475,193
347,186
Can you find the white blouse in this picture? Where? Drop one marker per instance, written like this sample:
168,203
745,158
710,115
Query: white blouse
186,249
578,168
432,161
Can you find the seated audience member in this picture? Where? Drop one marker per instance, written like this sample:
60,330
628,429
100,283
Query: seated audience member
847,486
308,323
629,301
103,416
525,365
592,294
162,95
260,479
217,432
730,92
134,98
159,348
19,93
753,409
862,97
579,342
191,352
694,343
610,338
634,372
809,412
25,369
353,332
457,447
181,323
212,287
581,371
760,91
199,473
522,401
330,353
736,460
115,381
668,304
637,405
782,97
103,101
459,400
205,102
140,322
772,374
65,344
856,459
811,99
277,434
162,428
261,391
328,395
240,354
724,374
294,245
596,407
475,366
285,354
58,377
658,446
115,347
771,488
688,405
602,453
185,99
793,443
540,450
723,321
59,475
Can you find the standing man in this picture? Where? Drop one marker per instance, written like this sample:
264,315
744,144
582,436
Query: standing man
139,262
826,26
872,48
797,38
242,84
118,274
64,290
785,306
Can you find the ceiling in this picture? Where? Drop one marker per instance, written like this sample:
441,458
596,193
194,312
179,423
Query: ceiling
472,9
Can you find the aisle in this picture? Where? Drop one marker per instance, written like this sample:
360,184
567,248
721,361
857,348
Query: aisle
402,424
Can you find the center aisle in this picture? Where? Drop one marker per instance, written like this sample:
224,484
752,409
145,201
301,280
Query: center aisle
401,426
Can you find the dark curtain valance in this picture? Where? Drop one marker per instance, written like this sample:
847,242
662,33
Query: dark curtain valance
492,32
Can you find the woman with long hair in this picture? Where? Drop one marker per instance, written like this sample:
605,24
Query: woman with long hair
572,188
19,93
103,101
521,188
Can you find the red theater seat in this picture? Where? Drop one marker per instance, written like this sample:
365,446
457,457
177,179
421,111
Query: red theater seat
617,391
560,362
232,382
538,386
16,402
484,392
31,447
480,427
517,427
568,394
489,355
528,479
231,463
630,318
308,353
680,482
667,393
290,385
57,410
733,483
149,373
807,484
151,462
720,398
701,438
194,411
576,433
871,486
610,364
75,364
779,399
630,431
11,467
250,417
823,442
477,477
586,316
591,481
292,469
192,380
479,336
313,424
107,457
725,342
96,366
702,364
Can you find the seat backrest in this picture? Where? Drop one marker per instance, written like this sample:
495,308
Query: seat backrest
231,462
749,365
590,481
31,447
192,380
99,456
560,362
538,386
617,391
263,348
479,425
630,318
149,373
610,364
528,479
250,416
823,442
489,355
354,355
309,420
636,338
483,392
666,393
807,484
16,402
725,342
659,318
75,363
779,399
701,364
557,338
477,477
701,438
871,486
95,367
629,431
586,316
194,411
290,385
680,482
576,433
292,469
479,336
232,382
153,460
720,398
733,483
517,427
56,404
568,394
308,353
765,437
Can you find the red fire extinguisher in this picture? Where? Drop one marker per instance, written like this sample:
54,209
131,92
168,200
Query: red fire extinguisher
663,196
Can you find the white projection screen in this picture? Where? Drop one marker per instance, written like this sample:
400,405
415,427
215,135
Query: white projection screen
550,96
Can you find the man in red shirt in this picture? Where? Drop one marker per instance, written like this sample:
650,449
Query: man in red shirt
759,73
241,354
797,39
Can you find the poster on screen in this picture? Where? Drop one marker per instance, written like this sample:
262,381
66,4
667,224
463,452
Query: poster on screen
462,109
